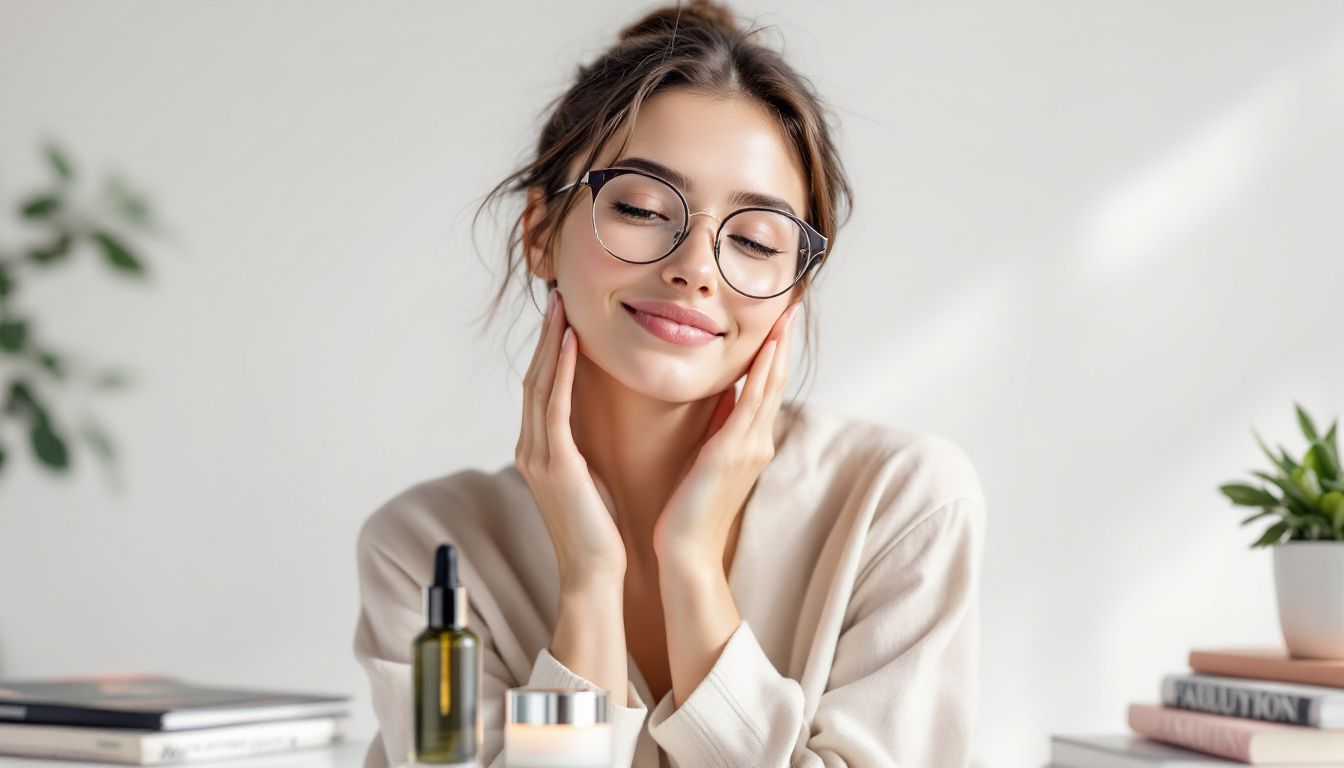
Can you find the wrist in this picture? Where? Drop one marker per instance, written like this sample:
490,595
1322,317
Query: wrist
687,552
599,609
689,566
592,588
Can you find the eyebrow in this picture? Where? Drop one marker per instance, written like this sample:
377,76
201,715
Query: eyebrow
682,181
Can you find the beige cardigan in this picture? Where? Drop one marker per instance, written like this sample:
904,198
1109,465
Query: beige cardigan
856,575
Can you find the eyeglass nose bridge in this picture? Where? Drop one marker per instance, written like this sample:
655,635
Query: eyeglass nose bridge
681,235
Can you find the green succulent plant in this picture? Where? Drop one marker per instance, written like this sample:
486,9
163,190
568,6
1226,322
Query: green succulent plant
1306,497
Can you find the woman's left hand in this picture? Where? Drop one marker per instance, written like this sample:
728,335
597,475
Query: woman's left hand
739,443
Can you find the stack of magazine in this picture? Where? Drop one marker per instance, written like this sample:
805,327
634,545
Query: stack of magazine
155,720
1234,707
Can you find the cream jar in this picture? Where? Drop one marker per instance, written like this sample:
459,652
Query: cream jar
557,728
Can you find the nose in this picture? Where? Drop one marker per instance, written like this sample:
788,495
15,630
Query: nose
692,264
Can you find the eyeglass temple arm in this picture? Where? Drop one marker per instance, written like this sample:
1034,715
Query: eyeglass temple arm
583,180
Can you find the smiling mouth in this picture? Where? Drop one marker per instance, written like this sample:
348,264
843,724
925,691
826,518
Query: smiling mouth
633,312
670,330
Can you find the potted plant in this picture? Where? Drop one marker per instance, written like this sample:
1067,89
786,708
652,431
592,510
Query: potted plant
1304,500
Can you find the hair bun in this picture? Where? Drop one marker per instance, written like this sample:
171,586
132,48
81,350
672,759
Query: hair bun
662,21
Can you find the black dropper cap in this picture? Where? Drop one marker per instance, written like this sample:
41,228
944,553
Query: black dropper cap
447,597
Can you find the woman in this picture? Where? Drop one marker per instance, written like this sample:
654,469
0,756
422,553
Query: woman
755,583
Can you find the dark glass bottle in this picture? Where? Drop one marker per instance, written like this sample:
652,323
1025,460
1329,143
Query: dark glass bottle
446,668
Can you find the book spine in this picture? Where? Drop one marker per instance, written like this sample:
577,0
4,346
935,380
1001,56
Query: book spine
1274,670
1240,701
54,714
118,746
1174,727
188,747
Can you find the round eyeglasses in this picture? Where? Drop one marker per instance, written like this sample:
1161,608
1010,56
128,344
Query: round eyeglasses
640,218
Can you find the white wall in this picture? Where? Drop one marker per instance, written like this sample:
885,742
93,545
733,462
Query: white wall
1095,239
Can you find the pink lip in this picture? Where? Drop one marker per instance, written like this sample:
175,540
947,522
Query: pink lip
674,323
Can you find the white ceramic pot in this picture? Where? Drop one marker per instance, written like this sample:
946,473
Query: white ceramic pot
1309,585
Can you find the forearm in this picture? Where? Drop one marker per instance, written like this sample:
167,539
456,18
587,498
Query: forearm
590,636
700,616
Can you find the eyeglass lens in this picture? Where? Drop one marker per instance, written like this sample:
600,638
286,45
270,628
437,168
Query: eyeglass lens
639,218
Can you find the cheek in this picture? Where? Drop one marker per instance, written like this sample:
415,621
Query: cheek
755,319
587,275
754,323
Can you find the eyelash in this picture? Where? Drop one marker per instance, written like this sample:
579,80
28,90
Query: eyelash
628,210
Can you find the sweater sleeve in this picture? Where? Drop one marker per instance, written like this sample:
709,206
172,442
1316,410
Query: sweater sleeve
390,617
902,688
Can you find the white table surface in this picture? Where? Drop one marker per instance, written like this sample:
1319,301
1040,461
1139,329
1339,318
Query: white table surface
346,754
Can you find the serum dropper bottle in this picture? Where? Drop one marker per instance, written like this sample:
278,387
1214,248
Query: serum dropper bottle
446,667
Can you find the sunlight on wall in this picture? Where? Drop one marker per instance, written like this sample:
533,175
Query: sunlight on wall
953,336
1181,190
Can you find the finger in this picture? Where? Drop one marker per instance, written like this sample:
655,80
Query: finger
557,411
779,374
554,334
753,400
524,440
753,391
549,361
536,352
722,409
532,428
538,390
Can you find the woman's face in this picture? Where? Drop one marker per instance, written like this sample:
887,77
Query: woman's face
721,147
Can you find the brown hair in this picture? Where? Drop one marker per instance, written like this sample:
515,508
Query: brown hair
696,46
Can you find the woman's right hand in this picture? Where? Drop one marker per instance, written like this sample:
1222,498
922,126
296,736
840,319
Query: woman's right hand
573,502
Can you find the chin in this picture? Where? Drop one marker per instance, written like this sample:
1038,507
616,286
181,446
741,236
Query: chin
667,377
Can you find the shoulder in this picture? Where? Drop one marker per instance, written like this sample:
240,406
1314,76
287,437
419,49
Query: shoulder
467,508
929,463
900,477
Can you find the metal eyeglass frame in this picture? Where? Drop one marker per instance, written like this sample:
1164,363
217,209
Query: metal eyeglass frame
595,178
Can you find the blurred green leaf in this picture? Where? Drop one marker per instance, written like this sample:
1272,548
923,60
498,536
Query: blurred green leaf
1327,463
1309,483
1288,460
130,206
117,254
1309,460
1332,503
22,400
111,379
53,252
6,283
13,335
1284,463
40,206
16,398
99,441
1292,495
52,363
1304,421
1258,515
1310,530
1248,495
1272,535
49,446
59,163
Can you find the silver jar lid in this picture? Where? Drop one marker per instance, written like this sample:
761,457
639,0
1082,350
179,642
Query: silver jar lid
556,706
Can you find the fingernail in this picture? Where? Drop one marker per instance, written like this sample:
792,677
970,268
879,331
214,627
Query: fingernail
569,334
